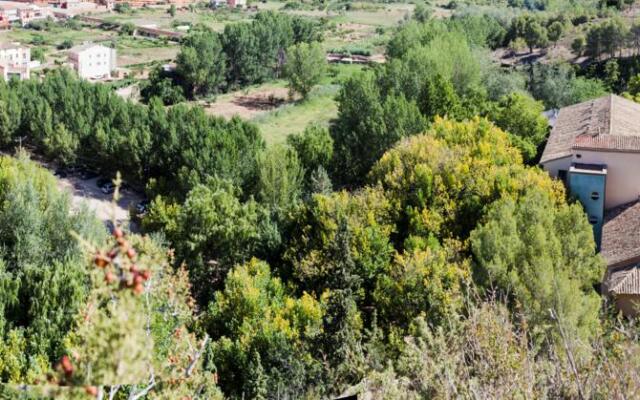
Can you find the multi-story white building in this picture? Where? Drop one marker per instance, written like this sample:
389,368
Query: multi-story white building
15,61
93,61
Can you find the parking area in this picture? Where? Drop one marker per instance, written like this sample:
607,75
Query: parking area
87,192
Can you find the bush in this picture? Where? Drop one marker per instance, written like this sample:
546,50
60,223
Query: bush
123,8
128,29
66,44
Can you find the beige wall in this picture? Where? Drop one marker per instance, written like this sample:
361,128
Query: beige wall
623,174
553,166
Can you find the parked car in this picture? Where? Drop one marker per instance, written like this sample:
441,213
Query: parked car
108,188
87,174
103,182
142,207
72,169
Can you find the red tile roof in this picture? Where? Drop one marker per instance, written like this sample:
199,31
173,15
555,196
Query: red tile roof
623,281
621,235
610,123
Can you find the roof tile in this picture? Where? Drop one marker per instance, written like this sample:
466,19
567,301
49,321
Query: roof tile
607,123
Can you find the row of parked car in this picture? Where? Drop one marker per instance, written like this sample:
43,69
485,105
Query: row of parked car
105,185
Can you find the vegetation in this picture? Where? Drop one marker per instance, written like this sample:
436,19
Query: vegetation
390,234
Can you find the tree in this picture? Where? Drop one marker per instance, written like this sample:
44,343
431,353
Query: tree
535,35
557,85
422,281
421,12
368,125
555,31
314,147
280,178
439,98
65,44
128,29
262,335
304,67
521,117
540,254
41,268
37,53
201,63
612,74
578,45
212,231
607,37
172,10
442,180
161,85
634,33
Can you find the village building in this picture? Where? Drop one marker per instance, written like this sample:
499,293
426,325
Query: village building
23,13
594,147
15,61
228,3
93,61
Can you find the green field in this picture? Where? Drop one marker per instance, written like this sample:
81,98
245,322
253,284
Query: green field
320,108
276,125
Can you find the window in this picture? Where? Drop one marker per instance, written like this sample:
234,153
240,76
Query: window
593,220
595,195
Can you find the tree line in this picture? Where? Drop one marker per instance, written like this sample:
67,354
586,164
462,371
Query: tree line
243,54
77,123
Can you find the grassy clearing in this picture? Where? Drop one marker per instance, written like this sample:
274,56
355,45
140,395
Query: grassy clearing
291,118
320,108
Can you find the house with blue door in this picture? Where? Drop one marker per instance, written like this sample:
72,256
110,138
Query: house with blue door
594,147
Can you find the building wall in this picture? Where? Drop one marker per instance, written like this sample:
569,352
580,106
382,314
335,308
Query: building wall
623,174
94,62
555,166
16,56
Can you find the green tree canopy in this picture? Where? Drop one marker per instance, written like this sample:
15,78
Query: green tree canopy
201,63
262,335
304,67
540,254
521,116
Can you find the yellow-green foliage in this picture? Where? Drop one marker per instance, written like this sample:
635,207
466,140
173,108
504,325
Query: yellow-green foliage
261,334
370,221
423,282
444,178
113,346
254,302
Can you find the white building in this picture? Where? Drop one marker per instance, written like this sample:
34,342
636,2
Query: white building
228,3
594,148
93,61
15,61
23,12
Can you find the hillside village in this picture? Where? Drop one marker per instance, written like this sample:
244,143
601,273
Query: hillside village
236,199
